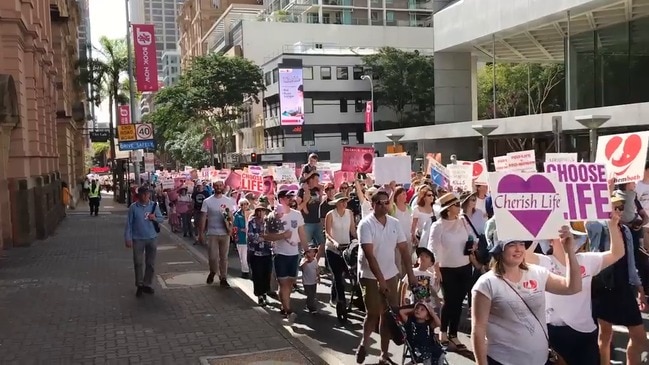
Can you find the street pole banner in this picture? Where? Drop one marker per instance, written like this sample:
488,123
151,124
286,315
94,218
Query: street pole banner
368,117
146,62
624,155
124,115
586,190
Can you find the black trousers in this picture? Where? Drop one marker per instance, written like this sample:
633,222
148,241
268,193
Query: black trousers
94,205
262,268
456,283
338,268
576,348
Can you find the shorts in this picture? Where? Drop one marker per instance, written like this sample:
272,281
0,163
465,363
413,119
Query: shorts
286,266
314,233
374,300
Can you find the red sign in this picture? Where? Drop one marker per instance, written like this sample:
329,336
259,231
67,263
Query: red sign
368,117
99,170
357,159
250,182
124,114
208,144
146,63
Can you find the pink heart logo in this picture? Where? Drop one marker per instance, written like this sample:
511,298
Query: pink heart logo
532,219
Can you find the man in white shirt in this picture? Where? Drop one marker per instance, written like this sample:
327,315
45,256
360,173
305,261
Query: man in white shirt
214,211
380,235
287,249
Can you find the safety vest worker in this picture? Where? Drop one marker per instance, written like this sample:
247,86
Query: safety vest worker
94,193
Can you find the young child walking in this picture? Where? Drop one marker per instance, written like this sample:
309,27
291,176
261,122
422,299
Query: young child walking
310,277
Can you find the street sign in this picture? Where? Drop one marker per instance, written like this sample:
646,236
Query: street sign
136,145
126,132
144,131
100,135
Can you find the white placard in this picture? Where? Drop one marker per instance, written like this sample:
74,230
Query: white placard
560,157
522,161
284,174
392,168
624,155
501,163
460,176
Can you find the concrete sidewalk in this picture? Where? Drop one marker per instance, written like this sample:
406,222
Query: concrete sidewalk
70,300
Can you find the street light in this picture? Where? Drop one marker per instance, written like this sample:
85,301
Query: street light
369,78
592,122
485,130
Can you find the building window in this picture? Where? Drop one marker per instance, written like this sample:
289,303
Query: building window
308,137
267,78
275,75
325,73
282,139
307,73
359,105
344,138
308,105
343,105
360,137
358,72
342,73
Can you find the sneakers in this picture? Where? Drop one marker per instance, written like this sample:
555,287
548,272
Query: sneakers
262,301
148,290
139,291
210,278
224,283
361,354
290,318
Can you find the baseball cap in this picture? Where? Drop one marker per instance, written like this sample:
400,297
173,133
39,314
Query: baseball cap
285,194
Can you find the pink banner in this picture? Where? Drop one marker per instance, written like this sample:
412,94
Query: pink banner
269,185
146,62
207,143
250,182
341,177
124,114
233,180
357,159
368,117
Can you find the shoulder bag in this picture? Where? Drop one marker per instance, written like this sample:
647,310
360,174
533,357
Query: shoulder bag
156,225
482,253
553,356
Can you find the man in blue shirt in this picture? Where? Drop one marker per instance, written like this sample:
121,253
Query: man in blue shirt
142,224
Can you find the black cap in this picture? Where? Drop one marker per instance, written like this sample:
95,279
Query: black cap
285,194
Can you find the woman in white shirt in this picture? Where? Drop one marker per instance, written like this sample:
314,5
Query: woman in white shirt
422,212
403,213
448,241
571,329
509,304
339,228
477,217
365,197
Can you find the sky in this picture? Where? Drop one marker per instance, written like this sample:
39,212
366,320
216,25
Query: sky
107,18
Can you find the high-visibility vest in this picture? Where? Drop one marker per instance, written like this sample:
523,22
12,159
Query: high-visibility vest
94,193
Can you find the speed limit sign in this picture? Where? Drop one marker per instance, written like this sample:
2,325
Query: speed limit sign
144,131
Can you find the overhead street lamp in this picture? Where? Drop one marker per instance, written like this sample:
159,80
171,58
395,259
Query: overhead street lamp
592,123
394,137
369,78
485,130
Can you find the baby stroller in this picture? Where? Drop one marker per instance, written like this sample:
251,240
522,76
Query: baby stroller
400,336
350,256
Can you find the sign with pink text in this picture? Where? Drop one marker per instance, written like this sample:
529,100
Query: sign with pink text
501,163
586,190
357,159
522,161
528,206
624,155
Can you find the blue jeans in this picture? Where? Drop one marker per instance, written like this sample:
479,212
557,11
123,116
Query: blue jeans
144,254
314,233
598,236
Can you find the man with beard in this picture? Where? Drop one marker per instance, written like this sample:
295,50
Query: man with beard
216,212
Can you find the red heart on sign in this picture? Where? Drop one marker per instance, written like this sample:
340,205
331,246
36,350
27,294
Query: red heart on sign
477,169
630,150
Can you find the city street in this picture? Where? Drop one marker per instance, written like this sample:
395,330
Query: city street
70,300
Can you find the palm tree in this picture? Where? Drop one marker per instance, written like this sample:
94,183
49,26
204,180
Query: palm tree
104,73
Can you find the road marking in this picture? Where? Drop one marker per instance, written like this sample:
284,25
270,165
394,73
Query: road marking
180,263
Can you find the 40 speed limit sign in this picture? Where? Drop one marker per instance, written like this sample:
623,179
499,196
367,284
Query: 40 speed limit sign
144,131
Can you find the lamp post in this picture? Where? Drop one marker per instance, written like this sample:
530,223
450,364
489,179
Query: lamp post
369,78
592,122
395,138
485,130
131,97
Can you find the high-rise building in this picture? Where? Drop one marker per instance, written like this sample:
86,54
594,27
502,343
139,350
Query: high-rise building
195,18
162,14
170,67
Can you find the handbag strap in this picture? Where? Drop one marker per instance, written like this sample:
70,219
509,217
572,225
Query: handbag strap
528,308
466,217
155,205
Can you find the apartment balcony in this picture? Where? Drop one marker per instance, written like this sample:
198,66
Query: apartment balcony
271,122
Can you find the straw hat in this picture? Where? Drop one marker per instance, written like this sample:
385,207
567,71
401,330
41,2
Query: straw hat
465,196
338,198
447,200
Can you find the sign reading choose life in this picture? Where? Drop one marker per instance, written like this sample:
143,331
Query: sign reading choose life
586,190
528,206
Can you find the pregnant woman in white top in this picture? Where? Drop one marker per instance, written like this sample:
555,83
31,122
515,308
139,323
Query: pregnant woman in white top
339,228
572,331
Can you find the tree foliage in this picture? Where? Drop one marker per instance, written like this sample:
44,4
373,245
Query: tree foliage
513,96
403,82
206,101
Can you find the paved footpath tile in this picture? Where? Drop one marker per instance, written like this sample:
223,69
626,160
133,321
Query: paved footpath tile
70,300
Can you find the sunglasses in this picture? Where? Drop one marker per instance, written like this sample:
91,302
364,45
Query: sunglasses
619,208
383,202
344,187
429,195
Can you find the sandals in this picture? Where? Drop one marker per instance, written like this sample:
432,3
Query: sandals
387,361
455,344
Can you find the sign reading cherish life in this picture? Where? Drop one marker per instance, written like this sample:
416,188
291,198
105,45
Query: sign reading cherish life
586,190
527,206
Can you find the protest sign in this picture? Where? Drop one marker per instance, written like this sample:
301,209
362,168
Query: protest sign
561,157
586,190
269,185
501,163
233,180
392,168
480,172
284,174
624,155
357,159
527,206
252,182
460,177
341,177
522,161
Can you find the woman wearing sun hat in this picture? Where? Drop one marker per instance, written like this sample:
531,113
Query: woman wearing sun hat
509,304
260,252
339,228
571,329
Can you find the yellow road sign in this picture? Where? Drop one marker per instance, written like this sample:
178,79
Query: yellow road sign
126,132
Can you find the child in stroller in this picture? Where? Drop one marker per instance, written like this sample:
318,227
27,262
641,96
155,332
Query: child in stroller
350,255
418,324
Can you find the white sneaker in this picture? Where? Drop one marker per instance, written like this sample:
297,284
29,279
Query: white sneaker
291,318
